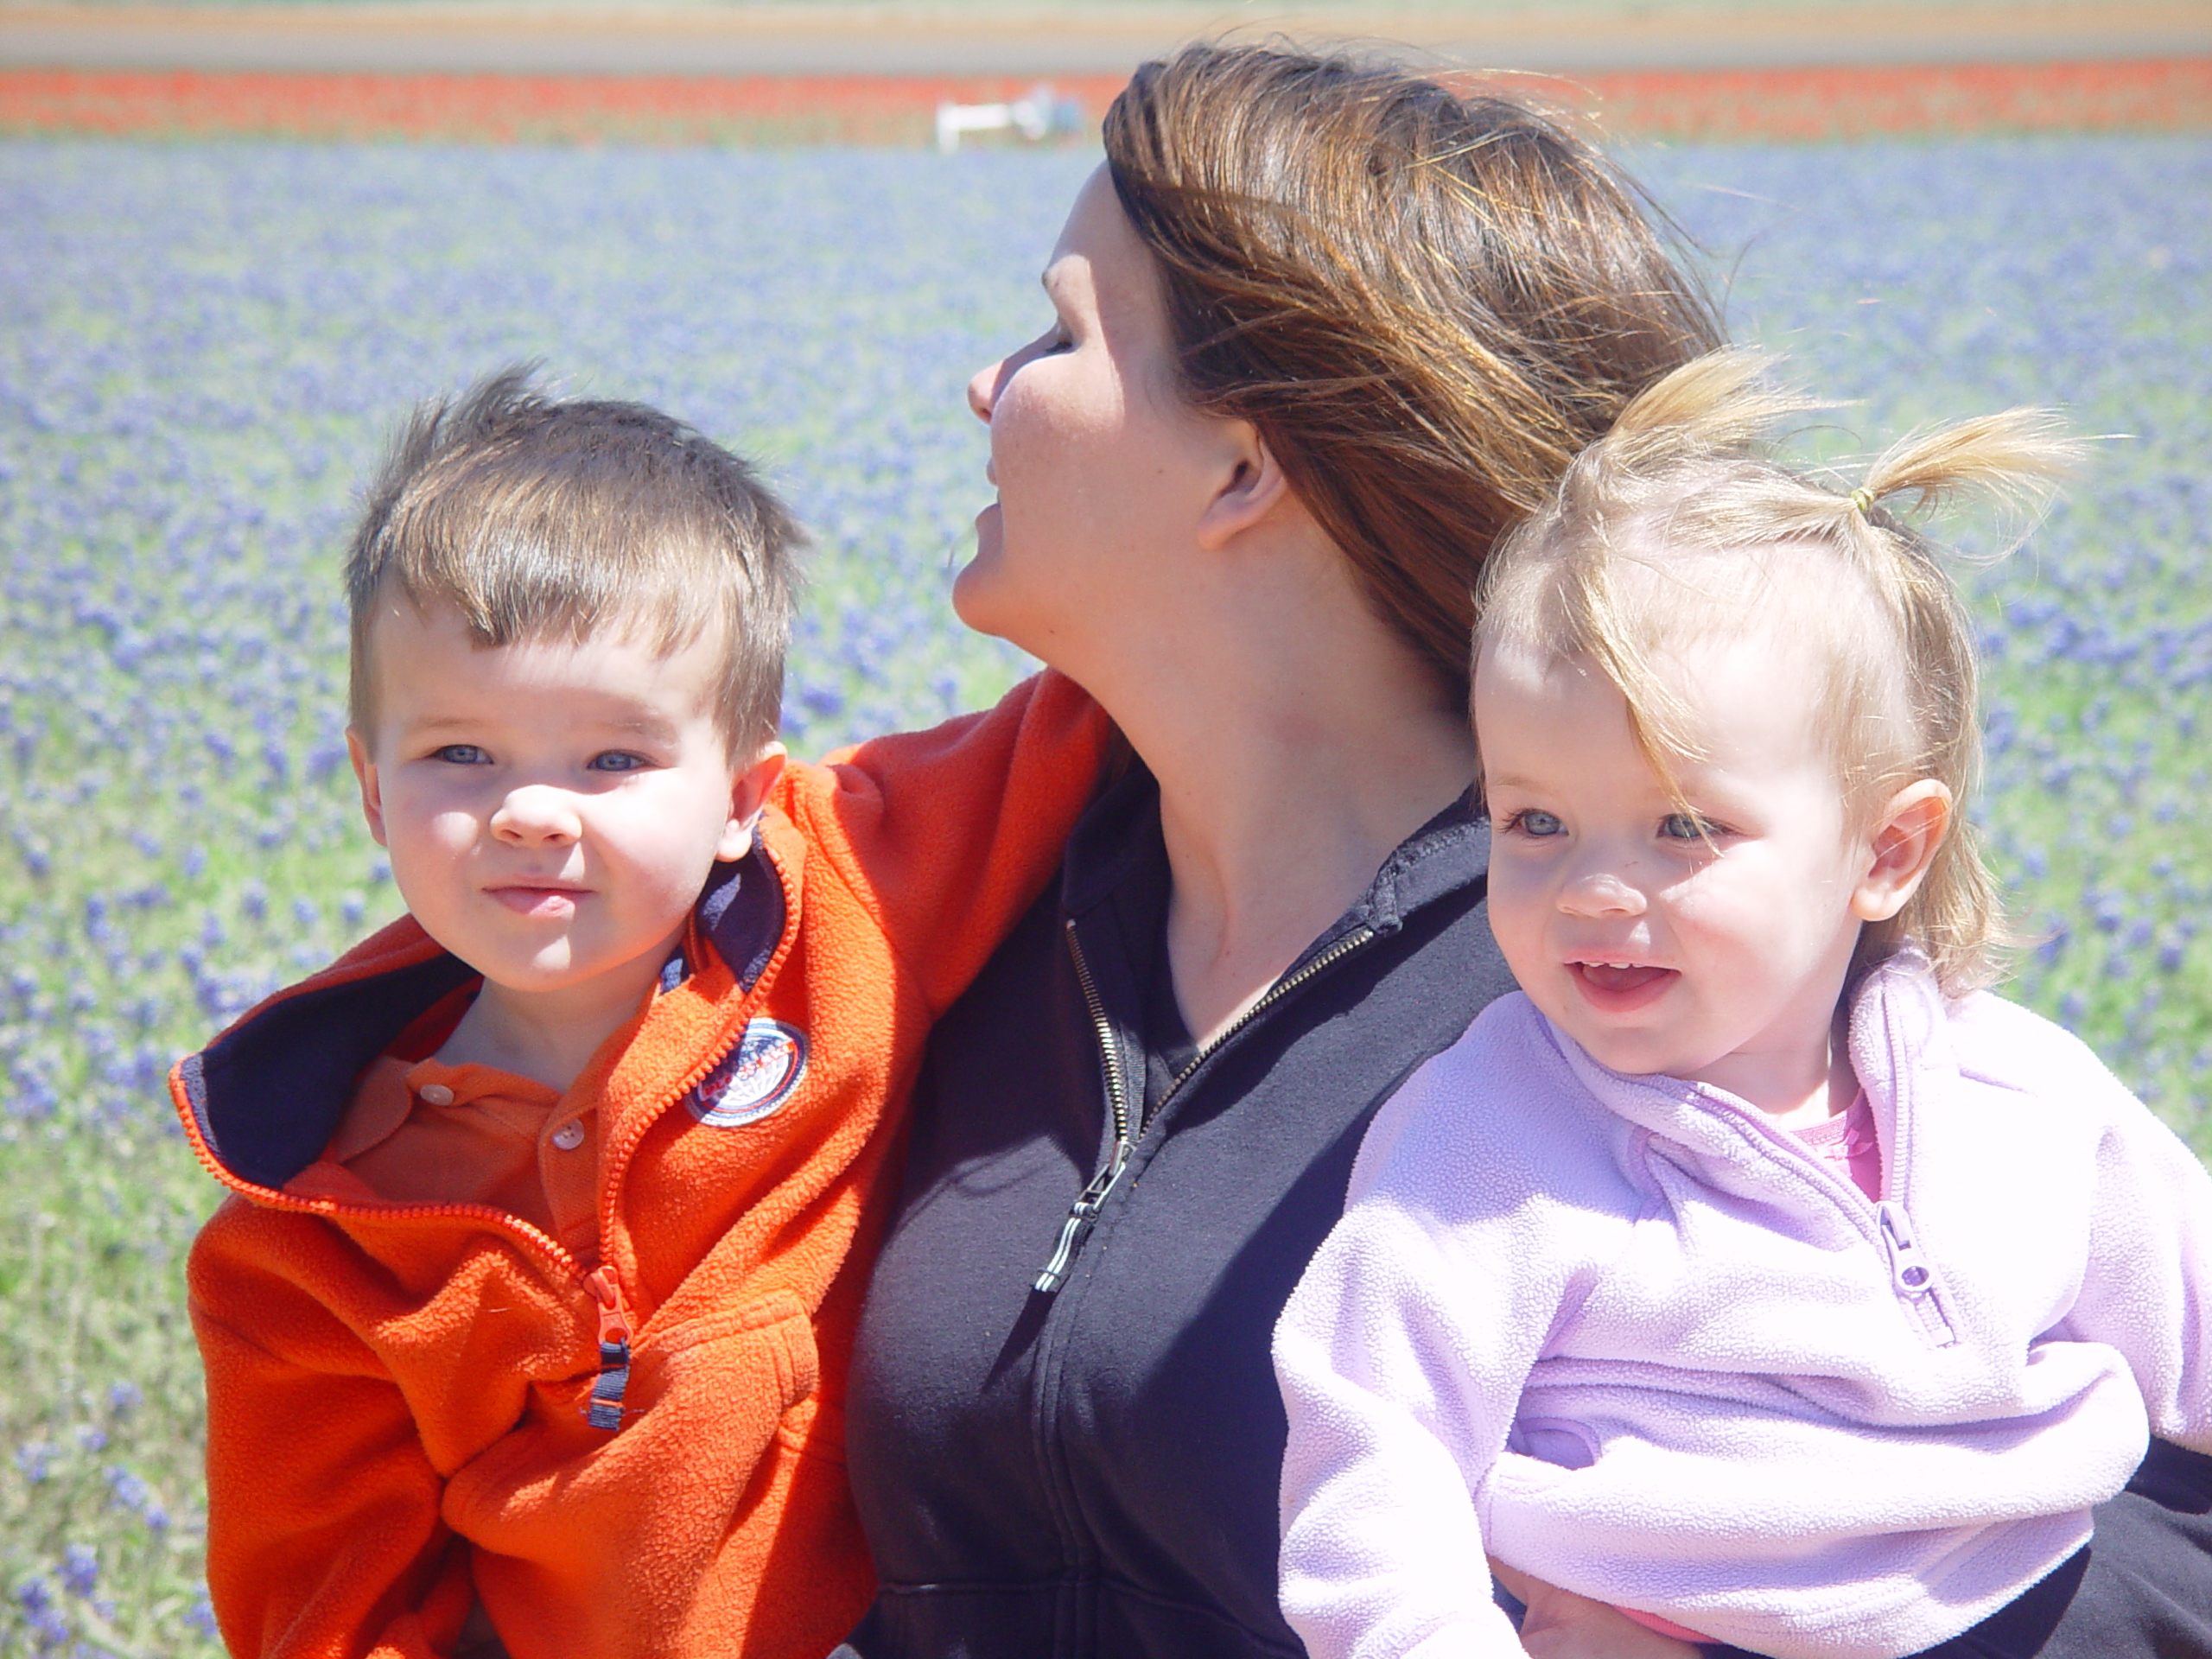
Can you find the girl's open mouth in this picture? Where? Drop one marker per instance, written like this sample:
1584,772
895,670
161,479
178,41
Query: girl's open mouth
1621,987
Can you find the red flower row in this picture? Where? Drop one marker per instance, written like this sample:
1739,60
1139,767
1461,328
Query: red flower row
2154,94
2158,94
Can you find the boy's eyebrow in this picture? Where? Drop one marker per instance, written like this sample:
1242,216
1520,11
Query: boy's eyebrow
649,725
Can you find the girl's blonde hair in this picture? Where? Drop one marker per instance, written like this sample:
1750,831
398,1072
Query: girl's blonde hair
1680,526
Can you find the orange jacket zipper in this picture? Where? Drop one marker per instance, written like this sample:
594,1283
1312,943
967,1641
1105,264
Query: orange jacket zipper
605,1410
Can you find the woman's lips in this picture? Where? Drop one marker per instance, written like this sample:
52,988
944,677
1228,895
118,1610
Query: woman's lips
1612,988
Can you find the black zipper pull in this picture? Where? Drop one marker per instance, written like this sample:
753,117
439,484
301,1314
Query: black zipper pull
1073,1231
1082,1214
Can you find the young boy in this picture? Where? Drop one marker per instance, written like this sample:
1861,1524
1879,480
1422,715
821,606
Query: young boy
527,1321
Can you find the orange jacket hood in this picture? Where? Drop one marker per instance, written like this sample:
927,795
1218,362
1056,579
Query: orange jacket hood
261,1101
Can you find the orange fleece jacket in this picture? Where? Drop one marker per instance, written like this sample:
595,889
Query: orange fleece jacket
397,1393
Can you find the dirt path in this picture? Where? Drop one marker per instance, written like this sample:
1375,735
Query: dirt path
1075,36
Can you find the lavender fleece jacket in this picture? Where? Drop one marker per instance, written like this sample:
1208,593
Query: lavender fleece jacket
1627,1336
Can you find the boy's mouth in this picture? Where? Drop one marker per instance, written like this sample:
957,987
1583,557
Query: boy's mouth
527,899
1621,987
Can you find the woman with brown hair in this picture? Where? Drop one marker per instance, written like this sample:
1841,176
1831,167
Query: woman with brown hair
1323,330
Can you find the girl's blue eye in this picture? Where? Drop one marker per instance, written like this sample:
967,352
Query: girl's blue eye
461,754
1539,824
1683,826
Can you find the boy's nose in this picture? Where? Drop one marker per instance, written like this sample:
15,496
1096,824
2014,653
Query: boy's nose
1601,892
536,814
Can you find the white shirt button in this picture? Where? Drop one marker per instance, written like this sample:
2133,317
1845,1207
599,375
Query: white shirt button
570,1135
435,1094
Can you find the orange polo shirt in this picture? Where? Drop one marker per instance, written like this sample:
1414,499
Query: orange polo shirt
418,1131
425,1132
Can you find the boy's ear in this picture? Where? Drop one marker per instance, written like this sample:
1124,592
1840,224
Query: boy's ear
748,794
1252,485
1906,837
365,771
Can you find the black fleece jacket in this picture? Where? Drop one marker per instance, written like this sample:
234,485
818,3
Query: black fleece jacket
1091,1469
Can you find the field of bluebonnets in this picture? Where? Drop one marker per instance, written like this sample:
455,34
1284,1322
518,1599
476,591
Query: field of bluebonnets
203,345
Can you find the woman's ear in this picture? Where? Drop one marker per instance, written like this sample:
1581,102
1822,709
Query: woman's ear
1251,485
1905,838
748,794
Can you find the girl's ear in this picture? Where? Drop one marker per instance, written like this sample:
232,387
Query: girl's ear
748,794
365,772
1252,485
1905,838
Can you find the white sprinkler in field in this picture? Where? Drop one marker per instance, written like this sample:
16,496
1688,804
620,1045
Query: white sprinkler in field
1038,113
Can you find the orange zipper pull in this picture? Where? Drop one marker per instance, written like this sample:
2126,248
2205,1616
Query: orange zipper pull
614,1317
605,1408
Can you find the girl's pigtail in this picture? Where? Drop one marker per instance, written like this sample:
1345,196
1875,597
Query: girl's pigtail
2015,459
1718,407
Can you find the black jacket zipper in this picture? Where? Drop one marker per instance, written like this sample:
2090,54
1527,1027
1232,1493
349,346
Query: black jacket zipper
1083,1213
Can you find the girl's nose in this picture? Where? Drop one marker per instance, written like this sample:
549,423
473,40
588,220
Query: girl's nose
1601,892
536,815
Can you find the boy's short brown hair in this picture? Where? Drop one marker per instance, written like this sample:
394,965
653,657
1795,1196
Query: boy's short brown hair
531,515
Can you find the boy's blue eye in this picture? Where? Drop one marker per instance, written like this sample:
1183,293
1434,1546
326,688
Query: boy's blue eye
461,754
617,760
1532,821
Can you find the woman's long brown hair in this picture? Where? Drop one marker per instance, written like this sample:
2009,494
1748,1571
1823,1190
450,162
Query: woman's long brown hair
1426,301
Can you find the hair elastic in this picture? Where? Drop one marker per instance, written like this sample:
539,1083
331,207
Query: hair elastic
1863,499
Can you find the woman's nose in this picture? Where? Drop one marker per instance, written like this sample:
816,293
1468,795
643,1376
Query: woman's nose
983,389
536,815
1601,892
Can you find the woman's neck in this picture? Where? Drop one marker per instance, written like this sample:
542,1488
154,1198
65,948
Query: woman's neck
1295,746
1268,851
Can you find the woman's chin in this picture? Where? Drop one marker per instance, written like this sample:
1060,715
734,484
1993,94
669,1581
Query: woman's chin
977,596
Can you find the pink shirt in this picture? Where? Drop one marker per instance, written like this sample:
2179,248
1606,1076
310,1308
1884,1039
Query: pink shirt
1848,1141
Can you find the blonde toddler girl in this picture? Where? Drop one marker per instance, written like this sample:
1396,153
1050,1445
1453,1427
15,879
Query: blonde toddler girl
1754,1269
